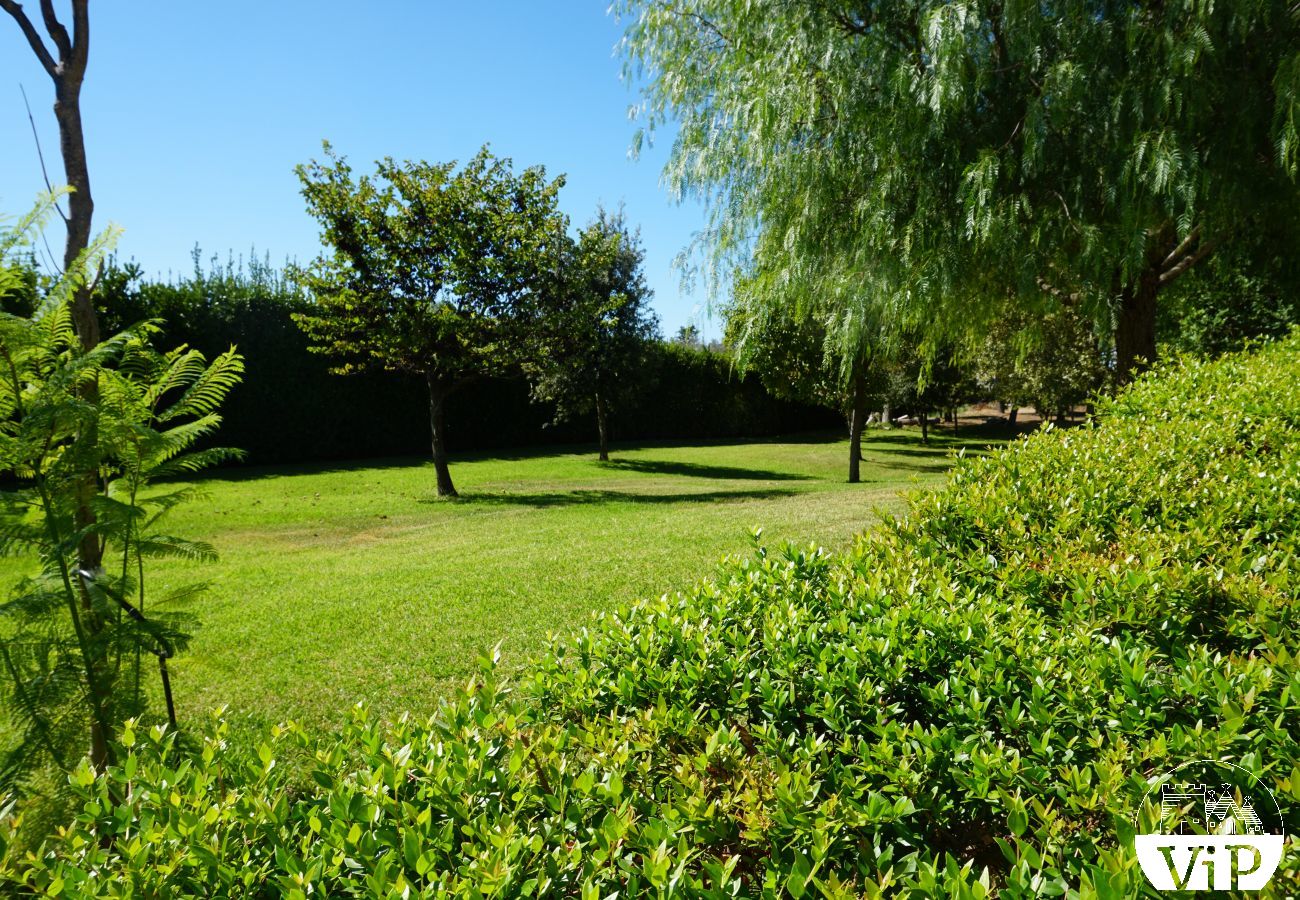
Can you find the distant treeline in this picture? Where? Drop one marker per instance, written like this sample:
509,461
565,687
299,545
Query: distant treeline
291,408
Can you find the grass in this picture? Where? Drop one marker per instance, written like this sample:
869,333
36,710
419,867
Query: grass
355,582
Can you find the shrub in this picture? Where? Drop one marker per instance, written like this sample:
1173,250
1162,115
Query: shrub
969,702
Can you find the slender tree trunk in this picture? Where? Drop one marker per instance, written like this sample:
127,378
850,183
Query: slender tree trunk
925,427
438,393
886,416
857,419
602,427
66,66
1011,416
81,206
1135,326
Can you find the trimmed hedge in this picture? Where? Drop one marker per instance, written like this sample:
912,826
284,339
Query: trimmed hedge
289,407
969,702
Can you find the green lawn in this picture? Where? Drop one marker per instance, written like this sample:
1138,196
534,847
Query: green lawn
349,582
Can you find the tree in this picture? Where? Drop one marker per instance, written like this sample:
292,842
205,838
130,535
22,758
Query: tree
66,66
428,269
921,380
688,336
1052,361
943,158
74,635
799,358
1235,298
589,338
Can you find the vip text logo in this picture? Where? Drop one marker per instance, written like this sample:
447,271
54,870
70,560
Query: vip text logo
1209,826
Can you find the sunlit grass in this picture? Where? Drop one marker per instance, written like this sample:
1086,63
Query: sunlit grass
355,582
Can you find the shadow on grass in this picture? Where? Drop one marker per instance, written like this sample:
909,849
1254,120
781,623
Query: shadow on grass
593,496
974,439
700,470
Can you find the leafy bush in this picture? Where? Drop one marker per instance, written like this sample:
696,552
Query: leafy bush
969,702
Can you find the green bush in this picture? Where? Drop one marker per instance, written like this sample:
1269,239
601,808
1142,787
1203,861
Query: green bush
969,702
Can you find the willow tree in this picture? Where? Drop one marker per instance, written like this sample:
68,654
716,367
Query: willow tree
428,270
935,159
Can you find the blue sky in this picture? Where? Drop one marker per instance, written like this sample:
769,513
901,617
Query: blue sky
196,113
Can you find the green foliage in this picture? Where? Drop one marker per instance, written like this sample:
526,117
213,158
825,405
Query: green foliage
427,263
923,381
291,409
429,270
589,338
1223,307
927,160
1052,361
788,352
970,701
90,429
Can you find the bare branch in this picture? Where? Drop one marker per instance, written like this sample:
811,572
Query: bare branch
1170,275
58,33
33,36
1183,247
80,36
39,154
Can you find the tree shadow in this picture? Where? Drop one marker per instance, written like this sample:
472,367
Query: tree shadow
941,464
593,496
906,440
700,470
313,467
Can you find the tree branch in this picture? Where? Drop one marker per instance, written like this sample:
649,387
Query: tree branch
80,36
999,39
1183,247
40,155
1170,275
33,36
58,33
709,24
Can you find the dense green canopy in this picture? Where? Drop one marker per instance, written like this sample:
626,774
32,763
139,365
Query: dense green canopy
428,269
590,334
930,159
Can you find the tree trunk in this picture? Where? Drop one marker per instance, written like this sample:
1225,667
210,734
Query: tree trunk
886,415
857,420
67,72
1011,416
602,427
925,427
81,206
1135,326
438,393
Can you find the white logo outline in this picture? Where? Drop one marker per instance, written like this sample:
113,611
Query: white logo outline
1231,822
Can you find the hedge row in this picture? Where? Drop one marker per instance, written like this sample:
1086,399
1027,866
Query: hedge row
290,408
969,702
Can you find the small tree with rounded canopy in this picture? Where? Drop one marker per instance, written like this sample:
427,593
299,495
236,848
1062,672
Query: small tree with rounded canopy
428,269
589,337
